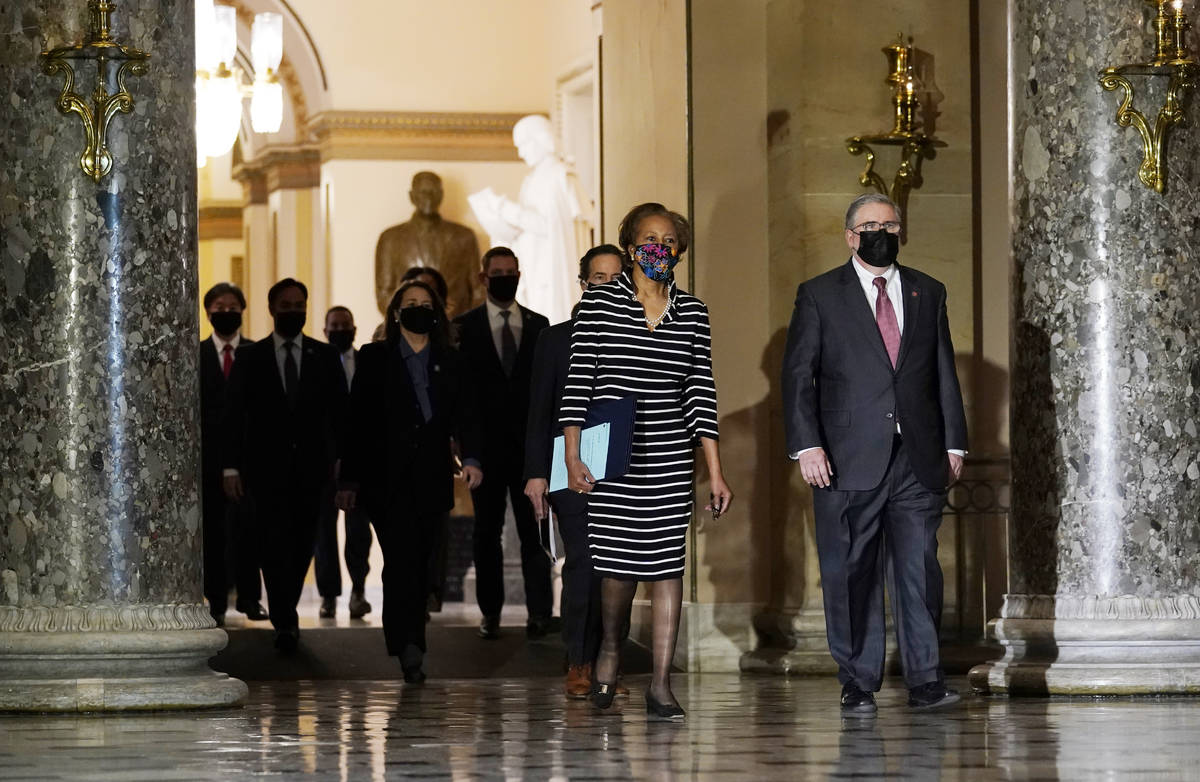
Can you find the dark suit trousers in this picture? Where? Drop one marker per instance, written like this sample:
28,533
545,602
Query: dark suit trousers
406,540
358,548
582,627
287,521
501,481
860,536
230,546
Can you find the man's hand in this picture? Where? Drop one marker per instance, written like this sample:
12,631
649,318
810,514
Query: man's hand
956,467
536,490
232,484
815,468
472,476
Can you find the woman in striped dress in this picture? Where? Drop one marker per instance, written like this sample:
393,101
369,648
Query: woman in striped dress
640,335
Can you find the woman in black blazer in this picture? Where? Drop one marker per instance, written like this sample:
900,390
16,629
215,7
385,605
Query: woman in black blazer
409,398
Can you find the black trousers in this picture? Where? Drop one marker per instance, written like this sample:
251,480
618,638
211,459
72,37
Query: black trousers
287,520
500,481
358,548
406,539
582,626
861,535
230,548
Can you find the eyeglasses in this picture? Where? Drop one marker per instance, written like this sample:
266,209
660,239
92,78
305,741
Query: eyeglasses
890,227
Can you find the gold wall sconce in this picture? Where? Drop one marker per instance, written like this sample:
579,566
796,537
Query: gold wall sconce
1173,61
914,145
96,161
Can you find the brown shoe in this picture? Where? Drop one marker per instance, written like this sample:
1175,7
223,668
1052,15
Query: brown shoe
579,682
622,690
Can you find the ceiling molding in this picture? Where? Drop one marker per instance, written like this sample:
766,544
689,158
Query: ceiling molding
403,135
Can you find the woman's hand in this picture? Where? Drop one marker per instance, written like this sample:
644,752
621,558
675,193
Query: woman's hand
472,476
536,490
345,499
721,496
579,477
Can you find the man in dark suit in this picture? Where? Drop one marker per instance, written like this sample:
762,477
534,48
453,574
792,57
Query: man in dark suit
284,419
874,415
340,332
497,340
228,526
581,589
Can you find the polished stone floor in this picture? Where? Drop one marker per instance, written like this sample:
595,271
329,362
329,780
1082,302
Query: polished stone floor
738,728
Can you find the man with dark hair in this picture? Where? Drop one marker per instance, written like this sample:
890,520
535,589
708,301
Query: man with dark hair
228,526
340,332
286,411
581,589
497,340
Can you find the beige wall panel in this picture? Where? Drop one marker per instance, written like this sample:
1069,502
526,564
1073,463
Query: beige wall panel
214,264
644,107
366,197
260,268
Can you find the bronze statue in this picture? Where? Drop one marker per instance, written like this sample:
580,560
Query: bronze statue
429,240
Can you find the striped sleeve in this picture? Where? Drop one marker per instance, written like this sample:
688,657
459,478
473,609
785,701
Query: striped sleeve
581,374
699,389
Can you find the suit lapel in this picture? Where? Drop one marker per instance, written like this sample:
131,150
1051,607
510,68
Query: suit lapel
912,307
861,314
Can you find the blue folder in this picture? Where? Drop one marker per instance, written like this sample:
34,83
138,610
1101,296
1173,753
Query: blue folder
606,443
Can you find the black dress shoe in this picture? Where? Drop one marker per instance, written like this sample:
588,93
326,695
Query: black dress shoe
254,612
537,627
489,628
328,608
933,695
663,712
603,694
286,641
414,675
855,701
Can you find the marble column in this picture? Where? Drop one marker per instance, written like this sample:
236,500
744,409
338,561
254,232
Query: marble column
100,548
1104,538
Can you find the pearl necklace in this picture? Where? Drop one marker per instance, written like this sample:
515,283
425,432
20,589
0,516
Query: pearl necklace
653,324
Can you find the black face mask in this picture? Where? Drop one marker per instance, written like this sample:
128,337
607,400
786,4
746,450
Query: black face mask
878,248
418,320
225,323
289,324
342,339
504,287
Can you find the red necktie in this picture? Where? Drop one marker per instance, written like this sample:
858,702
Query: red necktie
885,318
227,365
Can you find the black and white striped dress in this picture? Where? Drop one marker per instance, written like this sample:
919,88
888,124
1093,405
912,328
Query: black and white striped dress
637,523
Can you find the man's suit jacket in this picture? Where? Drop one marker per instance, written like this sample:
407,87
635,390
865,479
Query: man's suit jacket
503,400
551,362
213,388
841,393
392,454
274,446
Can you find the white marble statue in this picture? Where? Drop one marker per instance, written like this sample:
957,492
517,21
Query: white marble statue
540,225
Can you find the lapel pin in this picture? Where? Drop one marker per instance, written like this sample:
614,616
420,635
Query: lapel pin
914,294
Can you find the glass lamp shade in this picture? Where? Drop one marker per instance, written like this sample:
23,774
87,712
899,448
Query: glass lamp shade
266,43
225,33
206,23
218,115
266,106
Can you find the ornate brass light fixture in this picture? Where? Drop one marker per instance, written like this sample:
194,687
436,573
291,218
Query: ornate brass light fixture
96,161
1171,60
914,145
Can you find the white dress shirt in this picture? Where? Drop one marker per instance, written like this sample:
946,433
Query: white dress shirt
281,354
220,345
892,287
496,321
348,366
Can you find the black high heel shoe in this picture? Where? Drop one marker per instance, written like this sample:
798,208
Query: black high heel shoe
662,712
603,694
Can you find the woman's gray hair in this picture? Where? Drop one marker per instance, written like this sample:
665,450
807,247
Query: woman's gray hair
863,200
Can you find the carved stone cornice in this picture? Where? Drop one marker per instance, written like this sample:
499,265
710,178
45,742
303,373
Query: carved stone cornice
278,168
1125,607
220,221
402,135
105,619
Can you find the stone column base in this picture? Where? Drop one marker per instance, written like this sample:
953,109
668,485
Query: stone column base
1062,645
112,659
790,644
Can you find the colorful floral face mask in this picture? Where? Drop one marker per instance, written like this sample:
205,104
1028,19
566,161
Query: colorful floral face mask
657,260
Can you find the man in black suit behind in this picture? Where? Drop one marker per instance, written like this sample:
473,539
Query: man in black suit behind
874,415
497,341
581,589
285,416
228,526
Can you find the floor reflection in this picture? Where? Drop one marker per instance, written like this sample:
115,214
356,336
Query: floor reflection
738,728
